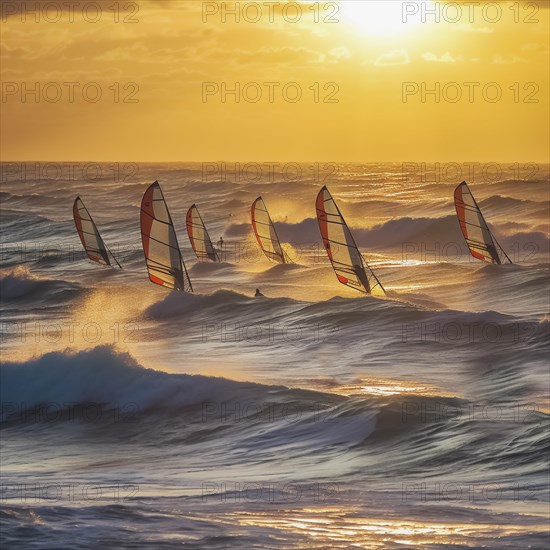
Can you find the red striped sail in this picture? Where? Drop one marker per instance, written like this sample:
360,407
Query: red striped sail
198,236
162,254
265,232
480,241
348,263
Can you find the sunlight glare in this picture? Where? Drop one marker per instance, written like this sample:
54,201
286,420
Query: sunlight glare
382,17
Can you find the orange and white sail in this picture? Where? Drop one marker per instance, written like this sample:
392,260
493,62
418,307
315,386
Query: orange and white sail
198,235
265,232
162,254
90,237
348,263
478,236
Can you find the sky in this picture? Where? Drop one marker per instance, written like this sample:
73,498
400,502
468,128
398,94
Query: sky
357,81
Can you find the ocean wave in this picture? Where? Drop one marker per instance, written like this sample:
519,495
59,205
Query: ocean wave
30,227
400,233
199,404
103,375
281,270
181,409
220,423
213,305
31,200
389,323
210,268
20,285
503,202
106,377
535,189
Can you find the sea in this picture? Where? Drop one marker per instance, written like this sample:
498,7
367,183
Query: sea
315,417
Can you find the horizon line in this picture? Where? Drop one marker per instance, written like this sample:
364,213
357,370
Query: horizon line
511,162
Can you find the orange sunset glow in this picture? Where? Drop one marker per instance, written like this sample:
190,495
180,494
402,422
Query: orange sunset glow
274,275
351,61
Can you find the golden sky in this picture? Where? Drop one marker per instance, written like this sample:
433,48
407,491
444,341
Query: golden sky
161,57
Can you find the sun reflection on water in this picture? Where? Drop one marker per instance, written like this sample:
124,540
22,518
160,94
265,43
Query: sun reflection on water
389,387
348,528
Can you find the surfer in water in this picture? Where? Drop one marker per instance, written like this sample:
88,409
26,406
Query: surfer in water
258,293
220,243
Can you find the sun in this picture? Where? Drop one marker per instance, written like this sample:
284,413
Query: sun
381,17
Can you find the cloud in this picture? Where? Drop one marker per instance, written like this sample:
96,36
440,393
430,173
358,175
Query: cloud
499,60
535,48
397,57
340,53
268,56
445,58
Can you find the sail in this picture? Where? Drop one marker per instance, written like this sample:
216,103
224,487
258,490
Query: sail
479,238
198,235
265,232
348,263
89,235
160,245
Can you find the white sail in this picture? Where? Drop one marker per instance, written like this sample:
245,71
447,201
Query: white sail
90,237
480,241
198,236
265,232
162,254
348,263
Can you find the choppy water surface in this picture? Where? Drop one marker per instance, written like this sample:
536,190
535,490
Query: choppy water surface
312,418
